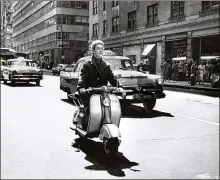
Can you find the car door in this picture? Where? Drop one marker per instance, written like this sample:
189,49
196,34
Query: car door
75,77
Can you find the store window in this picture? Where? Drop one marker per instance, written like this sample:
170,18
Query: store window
132,20
95,30
177,8
104,27
115,24
152,14
104,5
95,7
114,3
206,5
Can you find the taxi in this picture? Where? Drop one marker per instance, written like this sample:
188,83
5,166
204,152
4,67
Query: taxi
21,70
139,86
3,62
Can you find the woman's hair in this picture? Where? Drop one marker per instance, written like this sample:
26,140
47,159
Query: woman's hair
94,43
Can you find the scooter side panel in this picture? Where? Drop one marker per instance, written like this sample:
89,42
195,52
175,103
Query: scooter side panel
115,109
95,114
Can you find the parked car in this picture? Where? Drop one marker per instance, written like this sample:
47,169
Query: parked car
3,63
145,88
69,67
57,69
20,70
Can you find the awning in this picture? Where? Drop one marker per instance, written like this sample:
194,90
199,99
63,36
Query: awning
148,49
179,59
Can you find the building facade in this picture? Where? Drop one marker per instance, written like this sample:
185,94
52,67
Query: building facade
59,29
6,24
157,30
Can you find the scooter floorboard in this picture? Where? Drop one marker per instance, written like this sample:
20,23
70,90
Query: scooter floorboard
79,131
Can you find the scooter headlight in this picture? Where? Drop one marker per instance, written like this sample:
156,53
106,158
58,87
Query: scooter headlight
160,81
106,102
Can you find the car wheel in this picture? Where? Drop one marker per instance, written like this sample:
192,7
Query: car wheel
38,83
5,81
13,82
149,104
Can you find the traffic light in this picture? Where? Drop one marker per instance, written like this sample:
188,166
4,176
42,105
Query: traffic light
41,53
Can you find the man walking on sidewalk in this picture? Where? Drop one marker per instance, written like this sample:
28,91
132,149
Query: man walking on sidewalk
175,71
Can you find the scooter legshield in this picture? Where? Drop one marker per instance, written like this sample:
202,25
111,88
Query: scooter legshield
110,131
95,114
115,109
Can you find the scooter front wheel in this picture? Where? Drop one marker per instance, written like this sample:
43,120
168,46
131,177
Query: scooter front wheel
111,146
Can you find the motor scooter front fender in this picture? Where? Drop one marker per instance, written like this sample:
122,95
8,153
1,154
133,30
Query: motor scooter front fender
110,131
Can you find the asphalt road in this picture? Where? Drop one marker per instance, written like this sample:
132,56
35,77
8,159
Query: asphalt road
180,139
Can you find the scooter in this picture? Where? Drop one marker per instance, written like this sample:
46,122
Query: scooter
104,117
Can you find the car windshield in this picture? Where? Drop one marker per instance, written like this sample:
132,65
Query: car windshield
120,64
19,63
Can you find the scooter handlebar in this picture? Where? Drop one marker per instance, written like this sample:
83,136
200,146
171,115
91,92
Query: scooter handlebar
104,89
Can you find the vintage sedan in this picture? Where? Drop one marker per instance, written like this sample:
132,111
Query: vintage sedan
2,67
57,69
142,87
20,70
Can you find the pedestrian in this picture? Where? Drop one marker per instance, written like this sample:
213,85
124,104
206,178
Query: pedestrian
189,70
201,69
165,67
175,71
193,73
140,67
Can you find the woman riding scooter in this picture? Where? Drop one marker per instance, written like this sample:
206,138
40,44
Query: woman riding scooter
95,73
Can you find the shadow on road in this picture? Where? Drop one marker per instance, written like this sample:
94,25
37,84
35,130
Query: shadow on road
135,111
67,101
95,155
22,84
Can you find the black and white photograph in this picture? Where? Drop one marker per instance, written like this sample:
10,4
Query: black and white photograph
110,89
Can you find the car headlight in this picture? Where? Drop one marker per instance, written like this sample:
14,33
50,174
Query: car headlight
40,72
160,81
106,102
216,79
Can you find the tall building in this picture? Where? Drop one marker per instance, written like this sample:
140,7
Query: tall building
57,28
6,23
157,30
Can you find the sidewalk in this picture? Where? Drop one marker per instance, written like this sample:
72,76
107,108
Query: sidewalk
185,85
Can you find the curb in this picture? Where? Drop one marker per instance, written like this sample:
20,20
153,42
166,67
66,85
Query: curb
192,87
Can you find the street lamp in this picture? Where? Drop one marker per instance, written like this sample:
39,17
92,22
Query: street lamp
62,52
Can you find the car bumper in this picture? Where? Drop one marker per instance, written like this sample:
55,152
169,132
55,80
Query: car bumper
27,77
149,96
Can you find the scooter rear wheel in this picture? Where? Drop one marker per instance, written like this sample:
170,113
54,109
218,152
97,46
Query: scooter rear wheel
110,146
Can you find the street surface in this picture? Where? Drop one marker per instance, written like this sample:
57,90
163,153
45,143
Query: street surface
179,140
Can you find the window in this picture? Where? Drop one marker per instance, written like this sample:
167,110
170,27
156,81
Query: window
206,5
177,8
115,24
132,19
95,30
104,27
152,13
95,7
114,3
104,5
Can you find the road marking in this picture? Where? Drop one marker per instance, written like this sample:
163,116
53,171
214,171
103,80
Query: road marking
197,119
